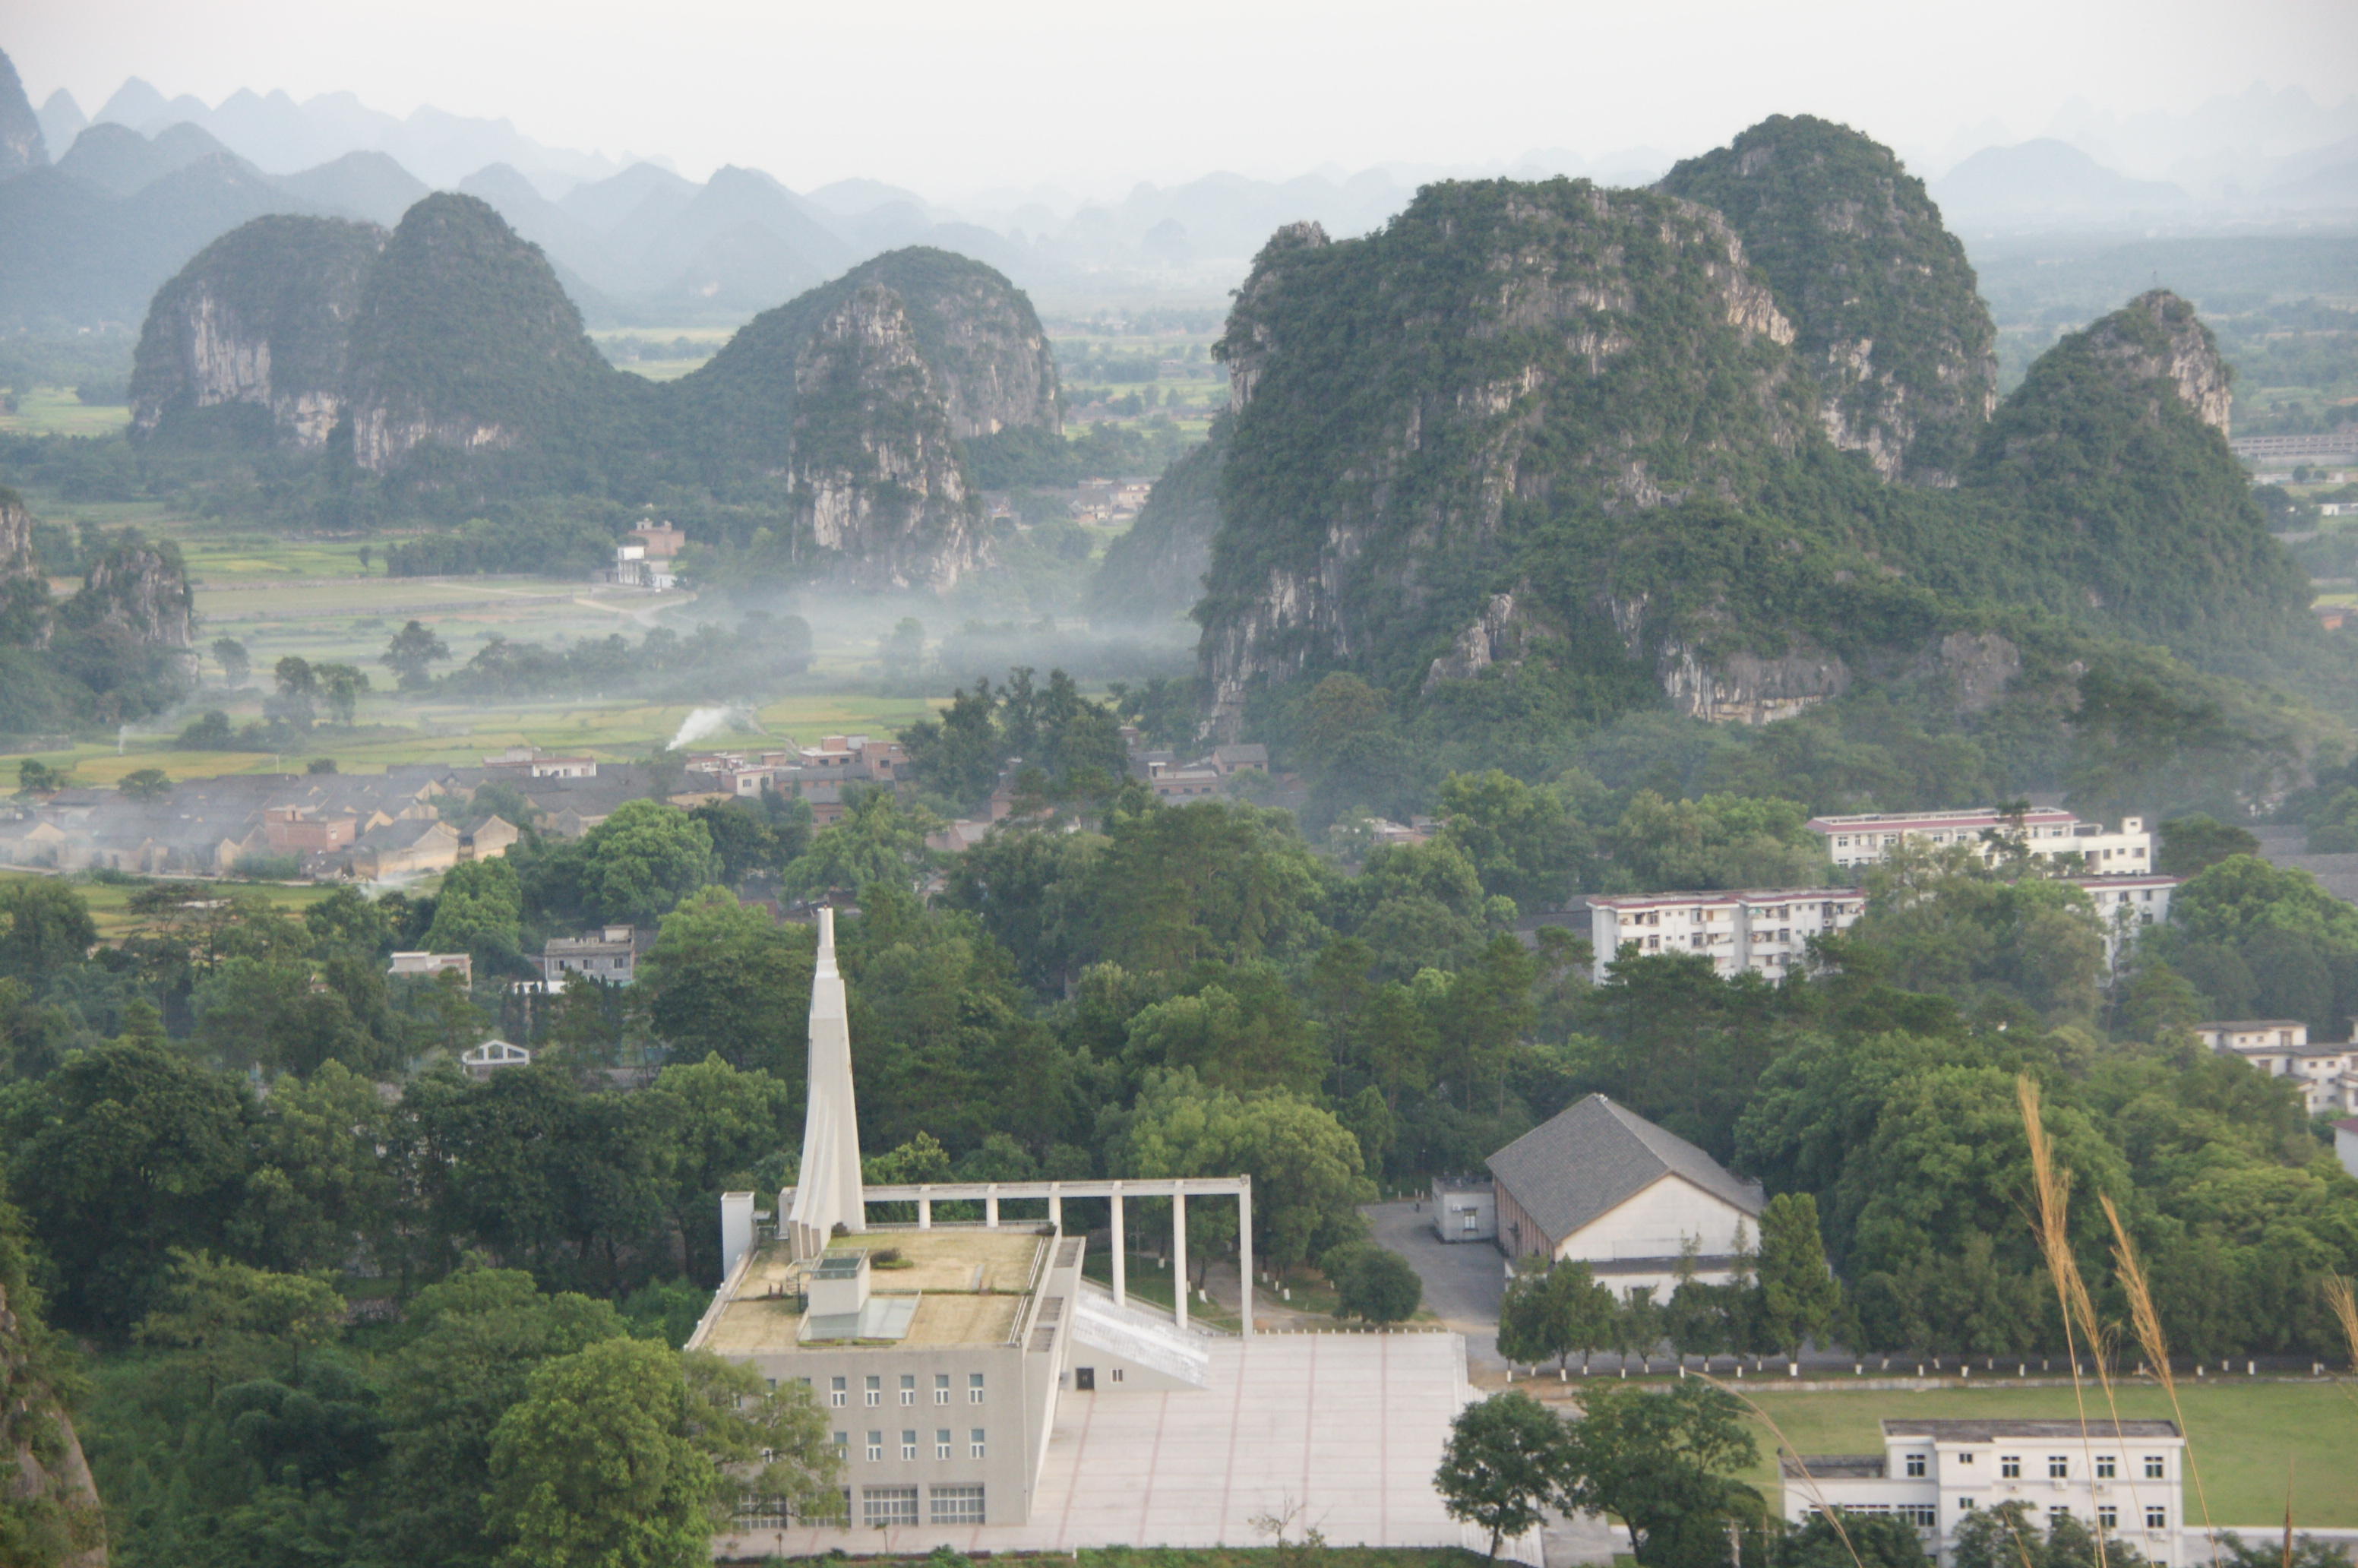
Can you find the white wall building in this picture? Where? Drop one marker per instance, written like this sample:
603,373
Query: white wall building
1601,1183
2048,832
2127,905
1464,1210
2327,1075
1763,931
2120,1478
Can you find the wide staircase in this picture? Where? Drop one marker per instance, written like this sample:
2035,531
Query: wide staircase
1146,1338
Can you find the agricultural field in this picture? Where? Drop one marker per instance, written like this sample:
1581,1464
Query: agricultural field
110,900
2247,1438
56,411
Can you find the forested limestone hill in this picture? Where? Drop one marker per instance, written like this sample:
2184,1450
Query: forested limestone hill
448,357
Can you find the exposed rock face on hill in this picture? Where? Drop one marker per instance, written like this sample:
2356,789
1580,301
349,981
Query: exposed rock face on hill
463,337
1412,408
142,588
49,1511
862,391
1882,300
21,147
16,536
878,483
259,322
2158,335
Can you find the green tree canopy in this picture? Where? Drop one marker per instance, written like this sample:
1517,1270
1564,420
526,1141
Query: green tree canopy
1507,1458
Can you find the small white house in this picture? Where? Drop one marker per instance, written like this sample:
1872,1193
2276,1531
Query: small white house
2345,1143
1465,1208
492,1055
1601,1183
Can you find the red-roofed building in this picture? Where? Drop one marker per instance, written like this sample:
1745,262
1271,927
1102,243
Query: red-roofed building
2046,831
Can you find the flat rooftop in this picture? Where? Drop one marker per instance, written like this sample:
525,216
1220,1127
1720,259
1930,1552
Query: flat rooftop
969,1286
2095,1429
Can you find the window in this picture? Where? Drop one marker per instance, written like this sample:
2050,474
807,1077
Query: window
908,1388
2009,1465
843,1445
941,1388
835,1393
888,1505
974,1387
959,1505
1965,1456
975,1443
2057,1515
2104,1465
2057,1466
1915,1464
876,1445
2107,1517
2157,1519
1966,1505
875,1391
1923,1516
2153,1467
942,1444
1117,1374
909,1442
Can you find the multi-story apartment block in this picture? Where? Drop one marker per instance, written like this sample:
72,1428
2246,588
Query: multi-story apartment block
1761,930
1767,930
2119,1478
2327,1075
2047,832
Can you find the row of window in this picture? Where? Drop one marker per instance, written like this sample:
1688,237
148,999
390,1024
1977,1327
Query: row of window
2059,1465
882,1506
1927,1516
944,1440
838,1392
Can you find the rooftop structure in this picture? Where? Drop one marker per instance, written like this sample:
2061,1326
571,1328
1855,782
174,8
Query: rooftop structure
2046,832
608,954
2121,1478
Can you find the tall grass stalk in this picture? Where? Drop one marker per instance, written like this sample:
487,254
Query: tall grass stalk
1817,1495
2144,1321
2051,1187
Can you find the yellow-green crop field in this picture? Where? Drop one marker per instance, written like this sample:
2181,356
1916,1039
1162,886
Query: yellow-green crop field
56,411
2248,1436
110,901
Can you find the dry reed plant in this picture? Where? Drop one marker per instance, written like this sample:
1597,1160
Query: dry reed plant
2144,1321
2343,1299
2051,1187
1833,1513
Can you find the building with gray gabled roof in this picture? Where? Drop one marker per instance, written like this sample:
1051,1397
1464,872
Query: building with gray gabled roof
1603,1185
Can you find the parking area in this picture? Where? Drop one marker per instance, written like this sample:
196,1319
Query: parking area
1464,1281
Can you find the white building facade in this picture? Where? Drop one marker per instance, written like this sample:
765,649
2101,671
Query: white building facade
2047,832
1763,931
2120,1478
2326,1075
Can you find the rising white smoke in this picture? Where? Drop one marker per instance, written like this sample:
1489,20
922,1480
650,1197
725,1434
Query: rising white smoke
706,723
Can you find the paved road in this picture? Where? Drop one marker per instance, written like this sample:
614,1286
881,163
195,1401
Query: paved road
1464,1281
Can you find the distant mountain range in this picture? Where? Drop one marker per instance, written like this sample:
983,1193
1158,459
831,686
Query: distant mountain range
97,211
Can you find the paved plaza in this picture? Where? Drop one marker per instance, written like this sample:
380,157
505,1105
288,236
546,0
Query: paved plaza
1346,1429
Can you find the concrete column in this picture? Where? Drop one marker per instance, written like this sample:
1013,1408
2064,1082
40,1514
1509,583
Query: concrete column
1120,1253
1179,1253
1056,1204
925,1214
990,1206
1244,1251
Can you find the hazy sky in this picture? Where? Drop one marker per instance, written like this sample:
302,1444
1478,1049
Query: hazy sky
945,95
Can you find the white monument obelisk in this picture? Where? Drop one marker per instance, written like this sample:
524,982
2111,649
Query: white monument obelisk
828,1190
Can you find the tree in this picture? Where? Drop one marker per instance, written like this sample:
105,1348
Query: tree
1374,1283
1506,1457
878,841
125,1118
723,979
2196,843
1799,1295
479,910
34,777
1304,1164
45,928
1663,1463
477,1337
1867,1541
145,784
1555,1313
613,1458
1521,840
341,686
236,664
643,860
238,1318
413,649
